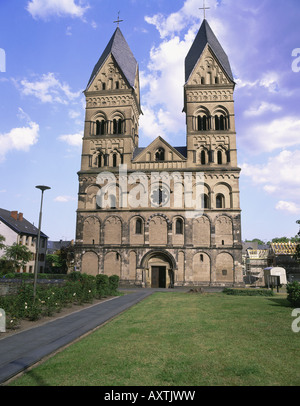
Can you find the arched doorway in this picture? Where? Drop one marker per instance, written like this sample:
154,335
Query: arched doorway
158,269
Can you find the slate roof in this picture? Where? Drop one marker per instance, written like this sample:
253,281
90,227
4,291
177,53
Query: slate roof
19,226
121,52
206,36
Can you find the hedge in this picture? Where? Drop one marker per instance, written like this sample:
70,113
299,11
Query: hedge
248,292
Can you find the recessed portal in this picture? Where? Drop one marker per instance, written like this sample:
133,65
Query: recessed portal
158,277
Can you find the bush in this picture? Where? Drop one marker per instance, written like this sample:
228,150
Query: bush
102,284
293,291
248,292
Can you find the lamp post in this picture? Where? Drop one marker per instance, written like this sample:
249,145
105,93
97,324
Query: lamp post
42,188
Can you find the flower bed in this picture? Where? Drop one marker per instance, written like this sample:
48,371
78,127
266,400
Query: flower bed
78,289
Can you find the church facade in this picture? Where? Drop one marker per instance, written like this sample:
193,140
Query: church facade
160,216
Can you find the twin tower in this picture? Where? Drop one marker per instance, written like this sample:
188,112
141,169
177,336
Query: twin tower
160,216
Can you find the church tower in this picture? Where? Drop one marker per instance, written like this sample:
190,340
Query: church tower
147,235
112,108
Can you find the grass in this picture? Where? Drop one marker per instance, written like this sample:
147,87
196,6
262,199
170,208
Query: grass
180,339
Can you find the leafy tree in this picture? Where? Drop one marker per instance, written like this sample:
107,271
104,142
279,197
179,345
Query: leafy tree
18,255
281,239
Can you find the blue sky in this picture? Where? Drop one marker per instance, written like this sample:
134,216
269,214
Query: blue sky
51,47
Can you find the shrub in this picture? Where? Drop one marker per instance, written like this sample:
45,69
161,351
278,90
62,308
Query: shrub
113,284
293,291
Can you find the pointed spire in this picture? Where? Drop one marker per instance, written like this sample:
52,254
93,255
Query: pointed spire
122,54
206,36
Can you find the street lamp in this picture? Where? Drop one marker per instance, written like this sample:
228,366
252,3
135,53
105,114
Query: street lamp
42,188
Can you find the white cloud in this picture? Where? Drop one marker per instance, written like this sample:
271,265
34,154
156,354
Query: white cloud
64,199
74,140
263,108
47,8
19,139
279,178
267,137
288,207
48,89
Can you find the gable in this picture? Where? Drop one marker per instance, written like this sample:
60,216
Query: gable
119,49
148,154
109,77
208,70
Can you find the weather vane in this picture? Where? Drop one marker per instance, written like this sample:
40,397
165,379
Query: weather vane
118,21
204,8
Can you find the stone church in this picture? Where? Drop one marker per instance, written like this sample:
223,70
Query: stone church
160,216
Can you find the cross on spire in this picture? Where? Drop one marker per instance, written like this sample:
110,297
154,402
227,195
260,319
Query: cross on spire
204,8
118,21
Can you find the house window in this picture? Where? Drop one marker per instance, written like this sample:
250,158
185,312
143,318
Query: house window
224,272
179,226
138,226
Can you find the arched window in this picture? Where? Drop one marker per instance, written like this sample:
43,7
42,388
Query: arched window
138,226
220,201
114,160
100,127
117,126
117,85
103,86
160,155
202,123
206,202
217,123
100,160
221,121
202,81
203,157
179,226
220,158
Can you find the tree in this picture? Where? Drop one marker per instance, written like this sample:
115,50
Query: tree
260,242
297,253
18,255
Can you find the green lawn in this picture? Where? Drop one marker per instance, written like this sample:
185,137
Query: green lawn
181,339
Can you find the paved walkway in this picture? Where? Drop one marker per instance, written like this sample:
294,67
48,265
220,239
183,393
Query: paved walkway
22,350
